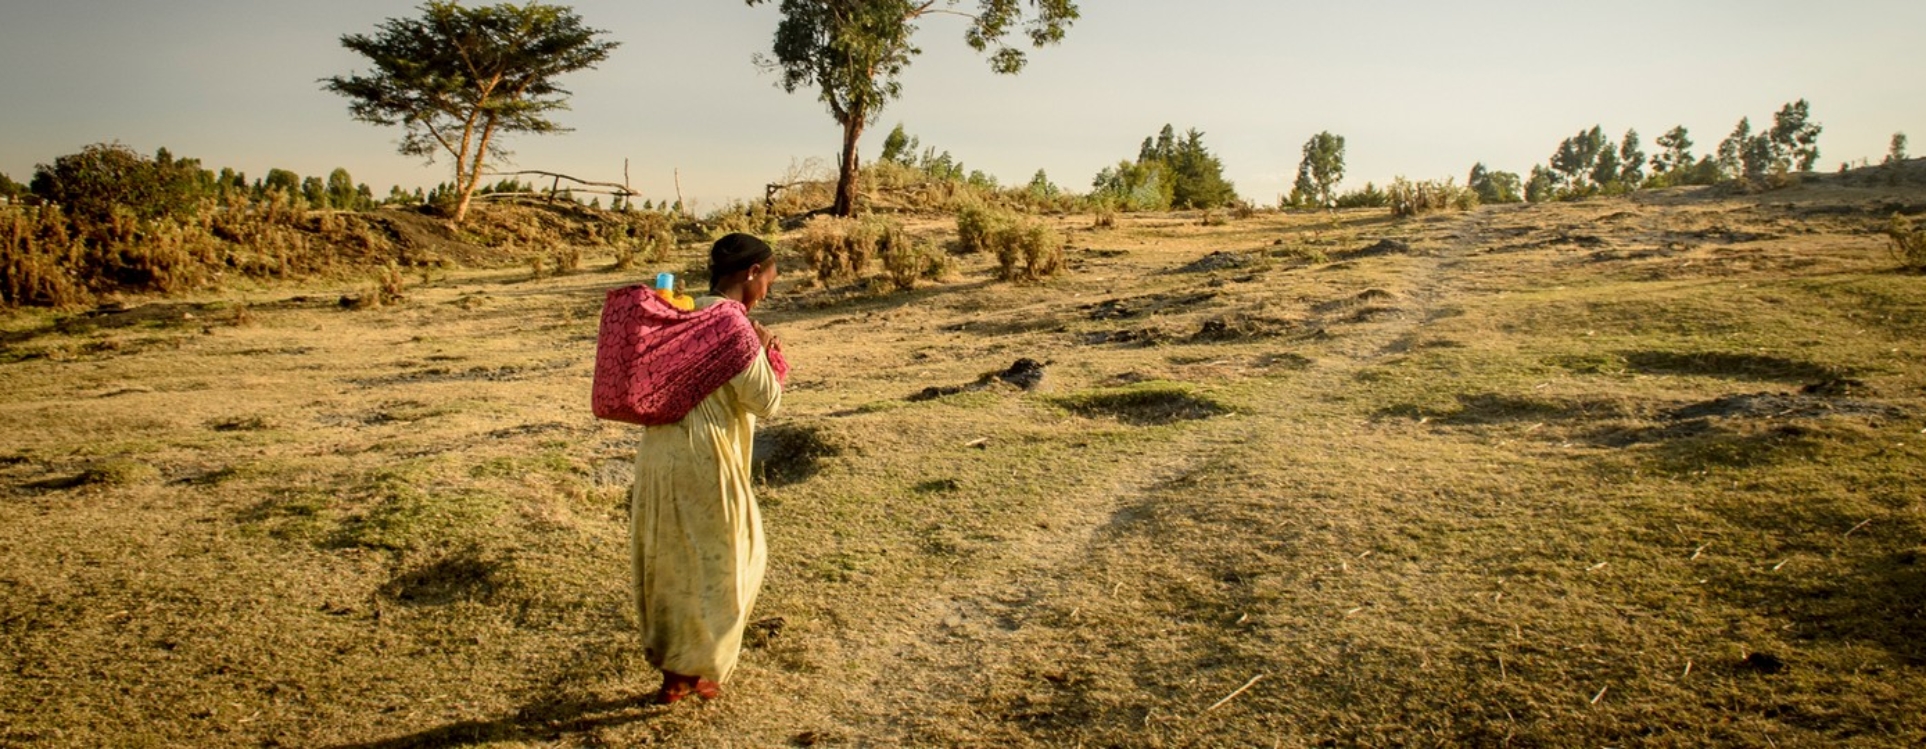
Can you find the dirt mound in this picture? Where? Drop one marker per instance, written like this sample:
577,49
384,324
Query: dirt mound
1152,304
1381,247
1239,327
1025,374
1363,298
1215,261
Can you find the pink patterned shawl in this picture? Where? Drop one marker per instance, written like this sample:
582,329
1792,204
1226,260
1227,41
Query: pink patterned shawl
654,362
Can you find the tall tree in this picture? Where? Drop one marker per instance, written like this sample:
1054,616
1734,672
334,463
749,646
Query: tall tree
899,147
1577,157
1495,187
1321,169
283,181
1733,148
1896,152
341,190
1631,159
1542,186
458,78
1677,153
1794,136
854,51
1198,175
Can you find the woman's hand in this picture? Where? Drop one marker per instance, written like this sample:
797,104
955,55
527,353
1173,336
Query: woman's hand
767,338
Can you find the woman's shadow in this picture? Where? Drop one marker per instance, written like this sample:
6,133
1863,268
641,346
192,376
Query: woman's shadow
540,721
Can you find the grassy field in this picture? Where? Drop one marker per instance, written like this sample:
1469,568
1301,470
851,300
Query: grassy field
1641,471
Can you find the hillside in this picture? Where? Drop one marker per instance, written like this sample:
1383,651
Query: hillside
1635,471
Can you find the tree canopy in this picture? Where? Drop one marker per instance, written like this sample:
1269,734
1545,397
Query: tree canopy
456,78
853,52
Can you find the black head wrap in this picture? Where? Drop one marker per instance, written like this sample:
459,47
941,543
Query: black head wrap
735,253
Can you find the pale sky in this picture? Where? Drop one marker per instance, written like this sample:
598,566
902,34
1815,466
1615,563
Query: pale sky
1420,89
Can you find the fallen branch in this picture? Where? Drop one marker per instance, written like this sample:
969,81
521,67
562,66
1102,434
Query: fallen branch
620,188
1233,695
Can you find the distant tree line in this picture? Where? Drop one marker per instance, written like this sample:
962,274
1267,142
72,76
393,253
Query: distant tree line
1589,163
106,179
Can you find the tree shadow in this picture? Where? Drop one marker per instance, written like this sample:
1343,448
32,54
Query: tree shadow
544,720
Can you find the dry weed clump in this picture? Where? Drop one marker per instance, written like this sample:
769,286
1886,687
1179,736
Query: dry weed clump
1409,198
1908,242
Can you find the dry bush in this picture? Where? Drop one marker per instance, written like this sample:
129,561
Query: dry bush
1409,198
1106,215
390,285
35,259
568,259
654,236
841,248
1908,242
1242,209
977,226
1027,250
908,260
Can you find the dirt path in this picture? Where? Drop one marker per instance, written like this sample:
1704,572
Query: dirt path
970,633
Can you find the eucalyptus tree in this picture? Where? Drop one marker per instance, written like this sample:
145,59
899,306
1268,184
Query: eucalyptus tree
854,52
458,78
1322,168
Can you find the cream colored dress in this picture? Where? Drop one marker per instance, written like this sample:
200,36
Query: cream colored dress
695,535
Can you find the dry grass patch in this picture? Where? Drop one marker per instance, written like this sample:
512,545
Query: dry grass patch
1507,485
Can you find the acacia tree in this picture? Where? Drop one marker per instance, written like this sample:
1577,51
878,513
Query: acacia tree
1322,168
457,78
854,51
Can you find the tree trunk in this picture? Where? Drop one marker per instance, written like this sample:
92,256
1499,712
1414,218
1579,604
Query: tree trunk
846,175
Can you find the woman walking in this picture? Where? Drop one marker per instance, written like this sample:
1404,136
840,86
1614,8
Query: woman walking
695,532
